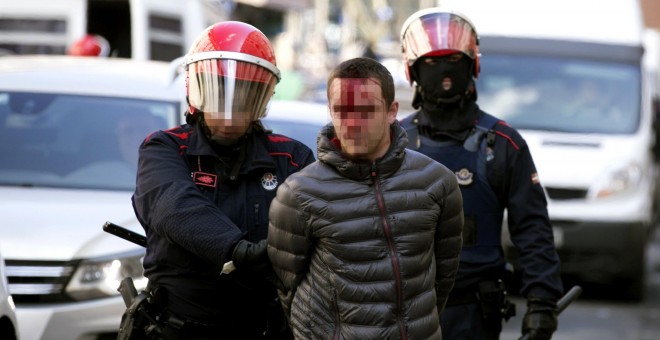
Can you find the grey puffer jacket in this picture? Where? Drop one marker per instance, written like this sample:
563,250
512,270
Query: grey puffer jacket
366,251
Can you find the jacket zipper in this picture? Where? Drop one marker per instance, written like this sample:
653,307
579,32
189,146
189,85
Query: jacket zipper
256,214
392,248
335,307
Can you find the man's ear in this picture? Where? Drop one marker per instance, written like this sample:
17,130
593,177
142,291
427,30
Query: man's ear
392,112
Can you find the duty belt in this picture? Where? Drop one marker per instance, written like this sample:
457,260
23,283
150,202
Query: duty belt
462,297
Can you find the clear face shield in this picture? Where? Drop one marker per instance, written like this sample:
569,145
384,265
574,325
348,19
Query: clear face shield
227,88
437,34
231,90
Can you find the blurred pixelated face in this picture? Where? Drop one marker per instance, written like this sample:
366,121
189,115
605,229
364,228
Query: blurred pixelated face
226,129
361,117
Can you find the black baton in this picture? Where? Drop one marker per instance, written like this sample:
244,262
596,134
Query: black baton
126,234
565,300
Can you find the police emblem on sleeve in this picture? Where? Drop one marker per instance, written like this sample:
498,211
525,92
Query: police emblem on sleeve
464,176
269,181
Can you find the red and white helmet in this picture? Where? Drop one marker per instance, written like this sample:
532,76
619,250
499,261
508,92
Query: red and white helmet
231,69
90,45
436,32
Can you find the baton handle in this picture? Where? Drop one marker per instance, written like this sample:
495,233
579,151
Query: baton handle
565,300
124,233
568,298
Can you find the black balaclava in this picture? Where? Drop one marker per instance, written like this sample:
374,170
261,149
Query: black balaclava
445,92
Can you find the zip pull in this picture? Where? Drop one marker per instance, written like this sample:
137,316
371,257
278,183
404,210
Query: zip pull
256,213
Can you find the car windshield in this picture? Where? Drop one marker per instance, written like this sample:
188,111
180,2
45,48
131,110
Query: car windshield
561,94
73,141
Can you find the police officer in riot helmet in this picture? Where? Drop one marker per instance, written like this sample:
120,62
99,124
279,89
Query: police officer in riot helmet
495,172
204,189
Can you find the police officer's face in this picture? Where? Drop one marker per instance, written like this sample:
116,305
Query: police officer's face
227,128
361,117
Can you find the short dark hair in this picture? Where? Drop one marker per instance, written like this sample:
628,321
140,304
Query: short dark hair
365,68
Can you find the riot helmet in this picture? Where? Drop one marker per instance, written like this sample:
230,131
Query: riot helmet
231,77
441,54
90,45
437,32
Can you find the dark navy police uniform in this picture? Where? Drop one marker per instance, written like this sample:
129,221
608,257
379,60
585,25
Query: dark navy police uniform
495,171
195,205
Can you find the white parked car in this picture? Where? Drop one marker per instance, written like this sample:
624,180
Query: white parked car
8,325
69,132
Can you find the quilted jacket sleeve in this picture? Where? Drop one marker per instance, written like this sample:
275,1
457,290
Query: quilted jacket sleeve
288,244
448,238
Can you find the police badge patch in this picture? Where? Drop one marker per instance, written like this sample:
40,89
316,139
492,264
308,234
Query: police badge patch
269,181
205,179
464,177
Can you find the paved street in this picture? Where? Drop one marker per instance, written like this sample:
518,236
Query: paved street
597,316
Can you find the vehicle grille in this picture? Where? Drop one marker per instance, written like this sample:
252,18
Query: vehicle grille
565,194
39,281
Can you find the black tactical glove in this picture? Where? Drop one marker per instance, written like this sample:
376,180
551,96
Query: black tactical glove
251,257
540,319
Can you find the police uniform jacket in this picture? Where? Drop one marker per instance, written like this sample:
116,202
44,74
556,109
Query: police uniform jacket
495,171
194,210
366,251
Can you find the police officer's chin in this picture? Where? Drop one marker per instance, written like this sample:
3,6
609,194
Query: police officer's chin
223,134
225,140
229,136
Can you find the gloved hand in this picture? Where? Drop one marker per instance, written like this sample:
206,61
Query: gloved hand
251,257
540,319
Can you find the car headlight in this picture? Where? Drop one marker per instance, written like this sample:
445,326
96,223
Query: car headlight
97,278
622,180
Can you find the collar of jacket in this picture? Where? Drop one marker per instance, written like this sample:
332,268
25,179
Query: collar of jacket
256,153
331,155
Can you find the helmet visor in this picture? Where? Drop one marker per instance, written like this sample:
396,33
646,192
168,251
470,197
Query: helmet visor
224,88
437,34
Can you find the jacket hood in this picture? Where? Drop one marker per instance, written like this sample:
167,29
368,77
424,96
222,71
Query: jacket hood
330,153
